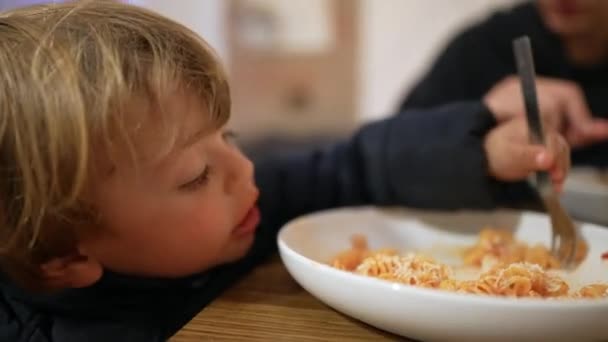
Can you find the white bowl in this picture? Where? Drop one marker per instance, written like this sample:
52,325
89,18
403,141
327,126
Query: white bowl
585,195
308,243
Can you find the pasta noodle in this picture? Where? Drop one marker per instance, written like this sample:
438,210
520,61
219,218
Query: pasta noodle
350,259
411,269
499,246
593,291
508,268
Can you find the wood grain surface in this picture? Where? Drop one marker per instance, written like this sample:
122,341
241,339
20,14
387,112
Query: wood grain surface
268,305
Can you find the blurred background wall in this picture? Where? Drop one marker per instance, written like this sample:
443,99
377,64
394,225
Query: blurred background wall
308,71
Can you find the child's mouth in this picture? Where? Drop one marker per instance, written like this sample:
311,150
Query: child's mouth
249,223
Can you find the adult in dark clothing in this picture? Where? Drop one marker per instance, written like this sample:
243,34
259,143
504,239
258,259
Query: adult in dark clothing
570,43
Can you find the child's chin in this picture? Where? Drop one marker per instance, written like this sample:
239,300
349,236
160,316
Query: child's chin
240,249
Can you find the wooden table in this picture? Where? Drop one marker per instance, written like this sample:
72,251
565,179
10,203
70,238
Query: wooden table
268,305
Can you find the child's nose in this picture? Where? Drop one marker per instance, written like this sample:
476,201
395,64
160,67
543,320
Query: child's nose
240,172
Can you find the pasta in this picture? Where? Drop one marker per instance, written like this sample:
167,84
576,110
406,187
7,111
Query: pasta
499,246
350,259
508,268
593,291
519,279
411,269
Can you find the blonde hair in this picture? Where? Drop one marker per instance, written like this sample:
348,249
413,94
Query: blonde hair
69,73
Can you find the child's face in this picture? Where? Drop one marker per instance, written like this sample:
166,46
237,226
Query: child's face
182,213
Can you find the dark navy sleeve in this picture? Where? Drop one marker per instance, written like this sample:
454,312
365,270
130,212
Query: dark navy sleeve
426,159
20,322
41,327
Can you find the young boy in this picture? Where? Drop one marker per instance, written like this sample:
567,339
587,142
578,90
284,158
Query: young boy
125,209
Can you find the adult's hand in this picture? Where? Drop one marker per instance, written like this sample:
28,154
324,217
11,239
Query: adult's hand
562,106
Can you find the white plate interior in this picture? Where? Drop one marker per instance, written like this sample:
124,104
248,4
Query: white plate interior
307,244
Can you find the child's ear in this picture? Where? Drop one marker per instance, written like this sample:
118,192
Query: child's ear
72,271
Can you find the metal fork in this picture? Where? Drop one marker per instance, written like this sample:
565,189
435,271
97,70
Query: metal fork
564,239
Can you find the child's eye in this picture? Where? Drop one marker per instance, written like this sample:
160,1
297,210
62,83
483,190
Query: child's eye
197,182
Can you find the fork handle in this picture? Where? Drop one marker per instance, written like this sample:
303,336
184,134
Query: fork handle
543,183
